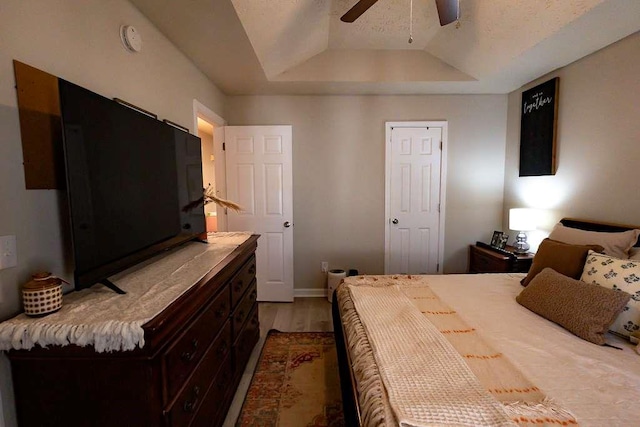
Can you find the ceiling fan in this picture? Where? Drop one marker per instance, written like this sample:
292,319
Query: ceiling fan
448,10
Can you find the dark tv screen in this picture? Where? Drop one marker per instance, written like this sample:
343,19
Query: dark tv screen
128,178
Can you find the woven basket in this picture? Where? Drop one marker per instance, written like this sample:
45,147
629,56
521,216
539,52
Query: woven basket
42,295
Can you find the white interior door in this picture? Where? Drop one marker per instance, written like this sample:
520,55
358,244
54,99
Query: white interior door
259,178
414,199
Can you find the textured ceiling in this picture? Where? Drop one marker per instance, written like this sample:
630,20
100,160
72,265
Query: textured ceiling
302,47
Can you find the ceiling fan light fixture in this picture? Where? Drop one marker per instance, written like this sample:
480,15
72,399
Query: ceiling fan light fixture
411,22
448,11
357,9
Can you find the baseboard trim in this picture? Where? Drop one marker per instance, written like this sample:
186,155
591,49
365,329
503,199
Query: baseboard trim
310,293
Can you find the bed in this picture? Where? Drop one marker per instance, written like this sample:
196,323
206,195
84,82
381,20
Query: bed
459,349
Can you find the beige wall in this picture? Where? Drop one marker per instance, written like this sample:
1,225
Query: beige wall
339,168
598,142
77,40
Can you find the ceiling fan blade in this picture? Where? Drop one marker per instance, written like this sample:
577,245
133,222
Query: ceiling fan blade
358,9
448,11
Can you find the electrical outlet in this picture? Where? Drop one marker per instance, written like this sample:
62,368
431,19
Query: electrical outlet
8,255
325,266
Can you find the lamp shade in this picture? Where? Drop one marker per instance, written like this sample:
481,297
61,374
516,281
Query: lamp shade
522,219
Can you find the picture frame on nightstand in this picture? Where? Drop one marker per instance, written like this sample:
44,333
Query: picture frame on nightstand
496,239
503,241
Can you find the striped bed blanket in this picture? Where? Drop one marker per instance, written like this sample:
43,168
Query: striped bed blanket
418,363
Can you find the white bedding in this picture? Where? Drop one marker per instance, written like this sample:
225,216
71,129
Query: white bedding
599,385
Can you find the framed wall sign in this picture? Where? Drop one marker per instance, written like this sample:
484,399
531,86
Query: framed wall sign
538,129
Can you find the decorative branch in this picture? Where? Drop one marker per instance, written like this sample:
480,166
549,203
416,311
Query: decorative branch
208,196
192,205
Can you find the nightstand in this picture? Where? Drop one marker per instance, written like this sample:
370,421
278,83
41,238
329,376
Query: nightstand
486,260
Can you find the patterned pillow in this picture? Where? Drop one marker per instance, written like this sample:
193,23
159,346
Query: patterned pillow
619,275
583,309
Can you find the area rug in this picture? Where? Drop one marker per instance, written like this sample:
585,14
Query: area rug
296,383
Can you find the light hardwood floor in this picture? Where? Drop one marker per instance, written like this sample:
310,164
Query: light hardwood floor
302,315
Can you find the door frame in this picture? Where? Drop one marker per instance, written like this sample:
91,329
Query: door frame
201,110
387,185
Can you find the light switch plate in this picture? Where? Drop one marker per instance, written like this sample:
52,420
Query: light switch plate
8,252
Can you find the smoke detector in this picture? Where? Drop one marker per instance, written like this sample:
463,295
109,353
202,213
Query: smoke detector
131,38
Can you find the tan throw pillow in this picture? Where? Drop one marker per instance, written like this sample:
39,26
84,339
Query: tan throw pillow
614,244
562,257
583,309
619,275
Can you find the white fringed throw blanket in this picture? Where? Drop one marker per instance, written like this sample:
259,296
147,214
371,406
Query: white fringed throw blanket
108,321
411,350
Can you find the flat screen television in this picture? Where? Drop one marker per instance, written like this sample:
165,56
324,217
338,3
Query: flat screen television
129,176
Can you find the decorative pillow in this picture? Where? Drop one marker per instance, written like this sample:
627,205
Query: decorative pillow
562,257
614,244
619,275
581,308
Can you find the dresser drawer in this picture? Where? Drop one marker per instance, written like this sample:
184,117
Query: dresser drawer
216,401
248,338
487,264
481,262
193,394
242,280
243,309
182,358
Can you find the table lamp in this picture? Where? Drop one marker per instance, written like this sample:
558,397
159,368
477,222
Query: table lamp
521,220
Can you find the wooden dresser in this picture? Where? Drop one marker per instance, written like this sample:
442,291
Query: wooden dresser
185,375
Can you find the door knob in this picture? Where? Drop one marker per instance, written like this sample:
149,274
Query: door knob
394,221
287,224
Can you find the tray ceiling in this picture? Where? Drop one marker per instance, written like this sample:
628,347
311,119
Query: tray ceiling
302,47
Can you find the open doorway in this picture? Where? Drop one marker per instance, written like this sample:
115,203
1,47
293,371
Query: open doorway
210,128
205,132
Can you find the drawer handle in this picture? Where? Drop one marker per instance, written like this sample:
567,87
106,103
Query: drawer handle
221,311
238,286
188,356
240,316
190,405
252,269
254,320
253,295
222,350
224,379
